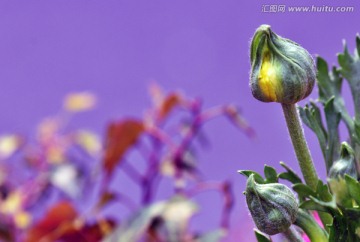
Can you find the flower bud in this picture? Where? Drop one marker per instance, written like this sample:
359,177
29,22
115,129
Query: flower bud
273,206
345,165
337,183
281,70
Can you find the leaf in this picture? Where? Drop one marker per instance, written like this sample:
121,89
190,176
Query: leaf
353,188
323,192
303,190
320,206
257,176
350,70
92,232
270,174
54,224
332,120
261,237
120,137
329,83
171,101
311,116
290,175
105,199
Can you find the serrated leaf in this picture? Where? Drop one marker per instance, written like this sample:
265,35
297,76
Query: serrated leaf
261,237
270,174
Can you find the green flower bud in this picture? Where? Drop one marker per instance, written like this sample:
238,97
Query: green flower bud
273,206
337,183
345,165
281,70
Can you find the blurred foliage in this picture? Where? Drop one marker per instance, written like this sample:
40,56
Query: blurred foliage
57,185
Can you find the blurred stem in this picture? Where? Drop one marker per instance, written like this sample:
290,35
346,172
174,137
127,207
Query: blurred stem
152,173
292,235
225,189
312,229
300,146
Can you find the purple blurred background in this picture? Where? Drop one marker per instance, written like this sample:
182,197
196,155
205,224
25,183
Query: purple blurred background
117,48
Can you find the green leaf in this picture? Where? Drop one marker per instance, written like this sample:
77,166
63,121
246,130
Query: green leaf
289,175
304,191
270,174
311,116
330,83
321,206
258,178
261,237
353,188
332,120
350,70
323,192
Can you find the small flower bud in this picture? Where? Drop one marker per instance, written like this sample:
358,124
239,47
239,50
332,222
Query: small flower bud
337,183
273,206
345,165
281,70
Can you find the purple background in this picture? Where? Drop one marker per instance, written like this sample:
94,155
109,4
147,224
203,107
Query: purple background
116,48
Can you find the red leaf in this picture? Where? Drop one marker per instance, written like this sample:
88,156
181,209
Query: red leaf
171,101
56,222
105,199
119,138
89,232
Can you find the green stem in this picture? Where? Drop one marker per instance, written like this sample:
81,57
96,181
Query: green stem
312,229
302,151
292,235
300,146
